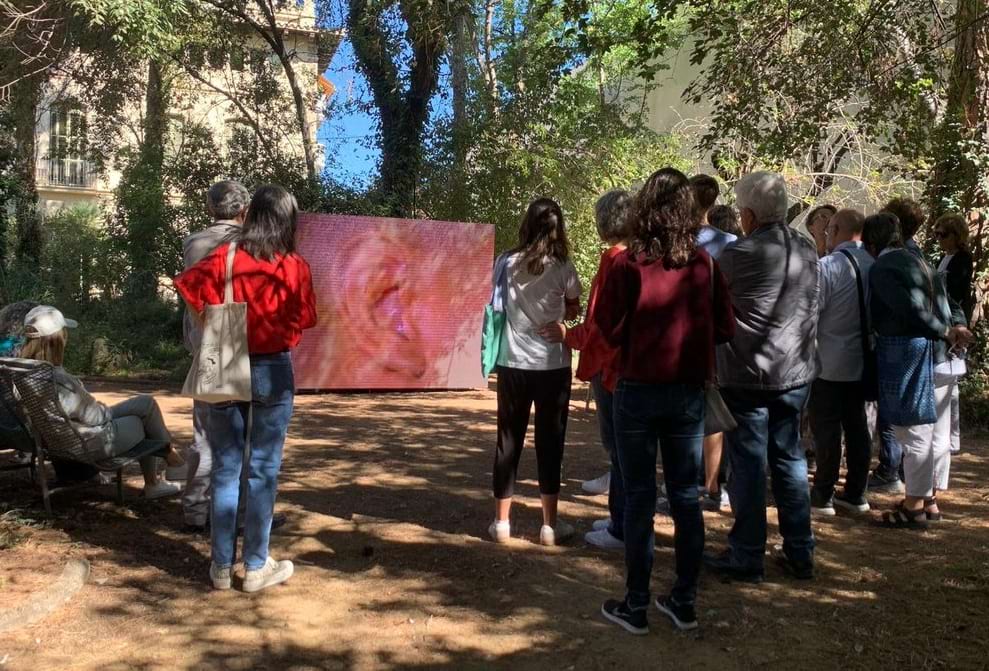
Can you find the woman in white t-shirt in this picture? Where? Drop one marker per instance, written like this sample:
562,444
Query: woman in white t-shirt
542,287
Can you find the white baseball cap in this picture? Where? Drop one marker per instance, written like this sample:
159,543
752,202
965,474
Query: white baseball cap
45,320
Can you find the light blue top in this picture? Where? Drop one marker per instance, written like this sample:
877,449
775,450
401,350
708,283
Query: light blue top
713,240
839,327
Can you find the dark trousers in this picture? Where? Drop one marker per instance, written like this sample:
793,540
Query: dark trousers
837,407
670,418
890,451
518,390
768,432
605,402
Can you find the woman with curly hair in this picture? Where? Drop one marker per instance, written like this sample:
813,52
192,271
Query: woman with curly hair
665,305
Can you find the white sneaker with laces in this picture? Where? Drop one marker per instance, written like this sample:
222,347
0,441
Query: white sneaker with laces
221,577
603,539
161,489
598,485
500,532
601,524
555,535
272,573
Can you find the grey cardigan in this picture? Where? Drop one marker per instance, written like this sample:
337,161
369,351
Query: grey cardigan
195,248
773,279
92,419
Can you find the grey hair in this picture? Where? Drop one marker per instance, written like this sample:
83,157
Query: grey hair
611,215
227,199
881,230
764,193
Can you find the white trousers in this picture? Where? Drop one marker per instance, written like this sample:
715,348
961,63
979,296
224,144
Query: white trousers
956,429
927,447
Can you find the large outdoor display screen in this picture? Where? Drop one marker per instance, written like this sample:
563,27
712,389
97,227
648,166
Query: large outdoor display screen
400,303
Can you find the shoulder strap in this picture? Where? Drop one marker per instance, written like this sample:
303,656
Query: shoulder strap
228,288
863,312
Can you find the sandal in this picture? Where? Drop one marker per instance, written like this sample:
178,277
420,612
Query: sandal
932,516
901,518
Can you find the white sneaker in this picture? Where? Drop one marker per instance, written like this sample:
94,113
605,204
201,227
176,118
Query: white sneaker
601,524
221,577
272,573
161,489
602,538
598,485
500,532
555,535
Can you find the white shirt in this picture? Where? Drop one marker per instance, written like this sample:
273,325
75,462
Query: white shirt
839,332
532,302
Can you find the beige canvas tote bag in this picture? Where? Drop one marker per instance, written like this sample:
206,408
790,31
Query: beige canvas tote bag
221,367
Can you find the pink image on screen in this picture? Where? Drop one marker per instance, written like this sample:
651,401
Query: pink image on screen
400,303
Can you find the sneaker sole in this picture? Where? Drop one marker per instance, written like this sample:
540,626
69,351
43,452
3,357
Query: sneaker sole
822,512
623,624
274,579
677,622
222,584
852,508
603,547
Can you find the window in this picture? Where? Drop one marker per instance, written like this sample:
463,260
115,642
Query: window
67,164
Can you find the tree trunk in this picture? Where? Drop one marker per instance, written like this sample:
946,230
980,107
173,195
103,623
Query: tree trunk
461,127
404,110
960,179
146,202
25,98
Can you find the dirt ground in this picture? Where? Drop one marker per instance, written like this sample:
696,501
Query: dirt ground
388,500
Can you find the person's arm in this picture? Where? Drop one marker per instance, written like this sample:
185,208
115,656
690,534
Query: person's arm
578,336
79,404
724,313
825,280
305,317
201,285
617,295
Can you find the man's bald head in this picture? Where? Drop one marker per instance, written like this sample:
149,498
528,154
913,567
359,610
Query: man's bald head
845,226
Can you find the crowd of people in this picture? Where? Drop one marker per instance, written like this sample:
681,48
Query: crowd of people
696,304
697,310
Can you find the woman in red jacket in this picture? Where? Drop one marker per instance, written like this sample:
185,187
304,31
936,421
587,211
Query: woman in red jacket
665,304
597,365
276,284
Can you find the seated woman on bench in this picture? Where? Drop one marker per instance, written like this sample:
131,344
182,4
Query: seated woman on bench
121,426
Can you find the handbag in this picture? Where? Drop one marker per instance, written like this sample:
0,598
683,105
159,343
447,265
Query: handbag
870,374
494,318
717,416
906,380
221,367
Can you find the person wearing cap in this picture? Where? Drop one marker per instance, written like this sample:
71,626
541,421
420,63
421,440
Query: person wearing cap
765,373
227,203
108,430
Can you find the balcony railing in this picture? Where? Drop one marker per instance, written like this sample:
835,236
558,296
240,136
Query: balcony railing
69,173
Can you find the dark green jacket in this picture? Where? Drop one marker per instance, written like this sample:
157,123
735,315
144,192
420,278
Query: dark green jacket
908,298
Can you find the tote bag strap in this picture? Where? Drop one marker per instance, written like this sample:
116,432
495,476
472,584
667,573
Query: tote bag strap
710,266
228,288
863,313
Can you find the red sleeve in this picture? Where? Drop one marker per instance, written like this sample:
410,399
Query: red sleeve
306,316
202,284
616,296
578,337
724,313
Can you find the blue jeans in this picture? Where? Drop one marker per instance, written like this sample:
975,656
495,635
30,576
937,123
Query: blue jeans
890,450
605,402
670,417
266,417
768,431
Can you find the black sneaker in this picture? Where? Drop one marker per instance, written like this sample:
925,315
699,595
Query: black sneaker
800,570
882,483
723,566
854,505
632,620
821,506
682,616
